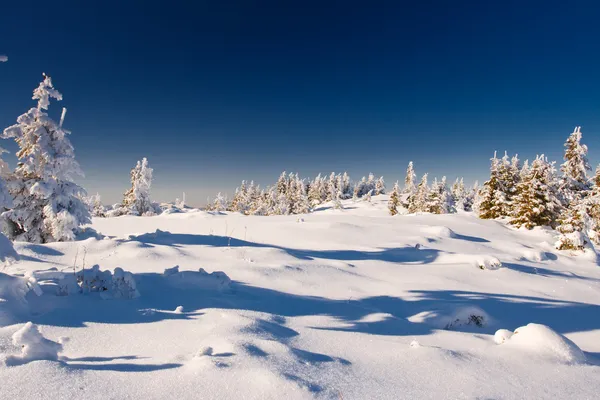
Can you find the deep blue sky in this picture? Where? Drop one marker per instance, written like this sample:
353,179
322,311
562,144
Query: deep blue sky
213,92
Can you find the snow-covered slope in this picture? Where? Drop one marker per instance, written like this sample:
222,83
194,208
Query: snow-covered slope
350,304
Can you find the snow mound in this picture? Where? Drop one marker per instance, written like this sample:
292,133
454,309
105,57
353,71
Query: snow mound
33,345
7,251
487,262
216,280
502,335
534,256
542,340
439,231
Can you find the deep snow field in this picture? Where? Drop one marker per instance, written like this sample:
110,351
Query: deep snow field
337,304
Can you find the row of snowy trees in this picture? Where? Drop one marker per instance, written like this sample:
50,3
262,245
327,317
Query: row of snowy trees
530,195
293,195
438,198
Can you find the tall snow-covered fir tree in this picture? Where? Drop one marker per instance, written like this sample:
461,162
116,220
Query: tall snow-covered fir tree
137,198
409,181
47,204
394,200
537,202
574,180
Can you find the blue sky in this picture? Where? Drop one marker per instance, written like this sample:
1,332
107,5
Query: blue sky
216,92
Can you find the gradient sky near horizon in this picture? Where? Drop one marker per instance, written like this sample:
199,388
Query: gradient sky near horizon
213,92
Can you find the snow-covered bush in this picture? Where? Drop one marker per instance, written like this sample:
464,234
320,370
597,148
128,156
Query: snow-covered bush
47,204
33,346
123,286
467,316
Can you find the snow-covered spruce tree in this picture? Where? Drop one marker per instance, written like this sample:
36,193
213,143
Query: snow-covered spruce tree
459,193
468,202
239,203
345,186
283,183
572,226
47,204
332,188
380,186
508,175
409,181
95,206
592,205
438,201
337,201
394,200
301,204
537,201
574,182
219,203
137,198
418,201
314,192
487,198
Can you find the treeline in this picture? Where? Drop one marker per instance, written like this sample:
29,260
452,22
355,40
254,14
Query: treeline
294,195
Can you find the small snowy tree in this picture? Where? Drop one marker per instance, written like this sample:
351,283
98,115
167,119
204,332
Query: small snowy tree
575,167
572,227
137,198
409,181
337,201
537,201
219,203
394,200
95,206
380,186
47,204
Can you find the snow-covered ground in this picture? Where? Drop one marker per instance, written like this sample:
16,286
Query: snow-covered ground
339,304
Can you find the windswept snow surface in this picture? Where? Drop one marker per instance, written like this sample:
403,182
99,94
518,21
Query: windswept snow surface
347,304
